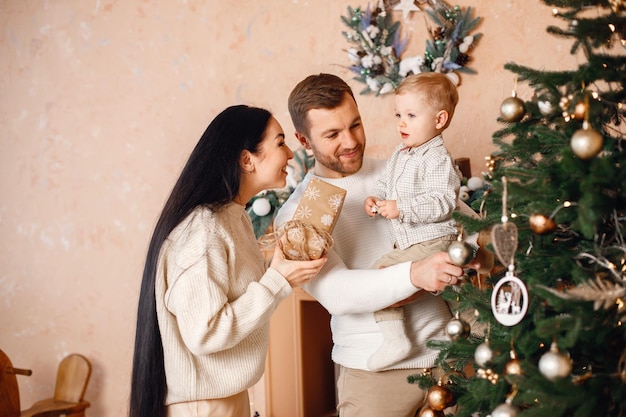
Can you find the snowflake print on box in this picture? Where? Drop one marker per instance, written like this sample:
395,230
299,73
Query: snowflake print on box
320,204
308,233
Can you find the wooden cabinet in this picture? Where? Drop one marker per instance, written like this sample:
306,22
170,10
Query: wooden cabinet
300,375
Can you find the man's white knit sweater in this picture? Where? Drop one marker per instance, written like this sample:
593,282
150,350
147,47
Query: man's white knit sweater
214,303
351,292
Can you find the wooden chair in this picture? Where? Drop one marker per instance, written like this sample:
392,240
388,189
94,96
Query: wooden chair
71,383
9,390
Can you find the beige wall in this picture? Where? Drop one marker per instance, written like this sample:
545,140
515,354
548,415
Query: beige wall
101,102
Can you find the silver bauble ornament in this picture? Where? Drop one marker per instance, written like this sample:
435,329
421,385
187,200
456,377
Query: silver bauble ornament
554,364
460,253
512,109
457,328
505,410
586,142
483,354
261,206
545,107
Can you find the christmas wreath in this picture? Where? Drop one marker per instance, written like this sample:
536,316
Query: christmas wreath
376,54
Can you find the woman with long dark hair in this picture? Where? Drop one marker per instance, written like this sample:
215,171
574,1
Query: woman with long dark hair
206,295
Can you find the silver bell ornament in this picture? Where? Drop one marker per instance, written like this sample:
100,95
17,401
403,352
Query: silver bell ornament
457,328
554,364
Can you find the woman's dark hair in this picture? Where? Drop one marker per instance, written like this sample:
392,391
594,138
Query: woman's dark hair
210,178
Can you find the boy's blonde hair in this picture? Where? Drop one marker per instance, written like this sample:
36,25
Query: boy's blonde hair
436,90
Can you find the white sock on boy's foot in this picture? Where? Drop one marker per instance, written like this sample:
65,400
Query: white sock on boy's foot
395,347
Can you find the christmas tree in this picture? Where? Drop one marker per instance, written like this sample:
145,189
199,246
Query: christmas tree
549,337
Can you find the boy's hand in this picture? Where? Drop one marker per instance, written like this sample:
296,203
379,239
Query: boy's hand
370,207
388,209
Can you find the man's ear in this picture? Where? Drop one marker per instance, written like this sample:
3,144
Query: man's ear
441,119
246,162
303,140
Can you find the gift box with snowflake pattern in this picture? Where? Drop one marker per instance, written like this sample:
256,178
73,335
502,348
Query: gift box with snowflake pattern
308,234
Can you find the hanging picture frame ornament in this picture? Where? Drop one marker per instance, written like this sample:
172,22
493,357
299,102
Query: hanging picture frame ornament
509,299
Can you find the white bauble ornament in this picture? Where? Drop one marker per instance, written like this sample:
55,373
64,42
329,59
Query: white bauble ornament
475,183
554,364
505,410
483,354
454,77
464,196
261,206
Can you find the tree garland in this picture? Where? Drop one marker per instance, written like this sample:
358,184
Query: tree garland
376,56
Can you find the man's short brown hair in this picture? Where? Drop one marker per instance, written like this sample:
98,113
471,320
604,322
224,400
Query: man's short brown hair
321,91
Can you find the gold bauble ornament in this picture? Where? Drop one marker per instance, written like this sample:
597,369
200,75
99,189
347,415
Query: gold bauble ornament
580,110
512,109
439,397
541,224
586,143
426,411
514,366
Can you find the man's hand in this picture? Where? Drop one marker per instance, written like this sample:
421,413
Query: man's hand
436,272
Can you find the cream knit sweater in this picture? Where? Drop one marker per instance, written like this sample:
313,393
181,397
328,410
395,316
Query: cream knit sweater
351,291
214,303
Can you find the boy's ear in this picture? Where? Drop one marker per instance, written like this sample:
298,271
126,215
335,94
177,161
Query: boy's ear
303,140
441,119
